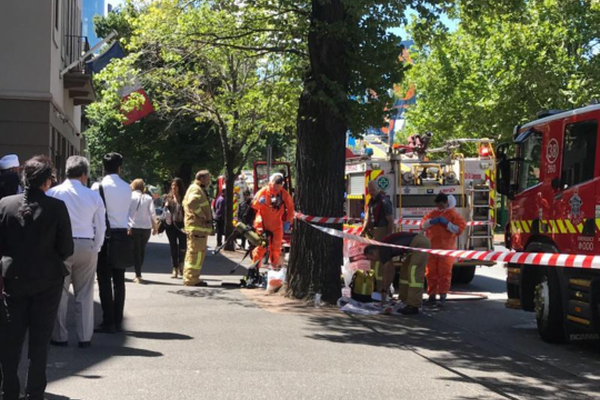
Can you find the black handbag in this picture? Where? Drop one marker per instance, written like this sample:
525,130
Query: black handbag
118,243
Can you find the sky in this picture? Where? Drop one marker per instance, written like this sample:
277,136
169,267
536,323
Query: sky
401,31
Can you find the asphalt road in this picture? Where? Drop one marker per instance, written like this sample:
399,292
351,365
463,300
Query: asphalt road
218,343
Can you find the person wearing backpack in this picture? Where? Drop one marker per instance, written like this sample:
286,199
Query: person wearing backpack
412,269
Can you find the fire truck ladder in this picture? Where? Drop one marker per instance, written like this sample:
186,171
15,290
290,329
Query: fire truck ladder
480,237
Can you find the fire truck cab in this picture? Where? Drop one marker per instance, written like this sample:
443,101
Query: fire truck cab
551,177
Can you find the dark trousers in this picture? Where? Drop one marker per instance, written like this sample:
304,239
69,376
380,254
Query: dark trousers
178,244
140,240
111,285
220,231
36,313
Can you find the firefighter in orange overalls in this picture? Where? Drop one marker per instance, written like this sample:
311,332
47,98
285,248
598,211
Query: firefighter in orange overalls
271,203
443,226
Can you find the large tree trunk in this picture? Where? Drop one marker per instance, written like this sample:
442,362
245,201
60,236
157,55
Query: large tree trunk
316,258
185,173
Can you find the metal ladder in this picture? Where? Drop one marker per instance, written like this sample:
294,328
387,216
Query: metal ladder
479,238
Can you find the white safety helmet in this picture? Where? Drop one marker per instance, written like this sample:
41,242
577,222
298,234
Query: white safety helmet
276,176
451,202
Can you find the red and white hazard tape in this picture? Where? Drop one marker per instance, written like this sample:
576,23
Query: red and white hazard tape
320,220
417,222
404,222
353,230
540,259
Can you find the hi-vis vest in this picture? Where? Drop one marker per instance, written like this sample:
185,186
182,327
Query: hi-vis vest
363,285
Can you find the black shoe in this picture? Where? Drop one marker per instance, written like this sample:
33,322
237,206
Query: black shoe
106,329
409,310
59,344
442,300
431,301
84,345
201,284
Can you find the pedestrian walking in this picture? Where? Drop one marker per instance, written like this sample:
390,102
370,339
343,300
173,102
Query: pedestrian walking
443,226
35,240
117,252
9,175
198,225
87,215
220,211
142,224
175,226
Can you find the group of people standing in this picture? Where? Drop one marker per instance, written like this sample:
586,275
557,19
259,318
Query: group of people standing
53,236
441,228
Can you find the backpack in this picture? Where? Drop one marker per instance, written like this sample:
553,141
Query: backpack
362,285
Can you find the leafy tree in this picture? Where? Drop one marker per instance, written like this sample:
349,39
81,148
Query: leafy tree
155,148
242,94
351,52
503,65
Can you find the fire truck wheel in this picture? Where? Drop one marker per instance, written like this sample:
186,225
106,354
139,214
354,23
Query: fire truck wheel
548,309
463,274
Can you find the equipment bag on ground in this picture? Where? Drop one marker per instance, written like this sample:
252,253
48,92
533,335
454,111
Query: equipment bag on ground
363,285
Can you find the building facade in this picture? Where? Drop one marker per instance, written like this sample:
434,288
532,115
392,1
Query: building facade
42,84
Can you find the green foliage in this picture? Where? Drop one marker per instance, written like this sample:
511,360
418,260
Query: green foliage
214,104
503,65
205,63
119,21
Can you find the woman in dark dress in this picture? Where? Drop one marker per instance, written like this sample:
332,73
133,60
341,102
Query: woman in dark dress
175,229
35,240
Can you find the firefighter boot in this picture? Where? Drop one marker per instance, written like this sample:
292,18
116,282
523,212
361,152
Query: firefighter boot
442,300
431,301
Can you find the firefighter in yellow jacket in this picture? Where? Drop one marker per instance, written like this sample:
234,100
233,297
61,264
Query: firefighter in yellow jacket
198,226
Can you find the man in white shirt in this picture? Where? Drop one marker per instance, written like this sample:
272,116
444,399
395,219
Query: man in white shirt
87,215
116,194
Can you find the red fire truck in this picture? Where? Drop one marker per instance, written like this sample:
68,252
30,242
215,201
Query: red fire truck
551,177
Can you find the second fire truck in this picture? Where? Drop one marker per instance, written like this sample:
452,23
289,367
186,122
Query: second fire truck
412,180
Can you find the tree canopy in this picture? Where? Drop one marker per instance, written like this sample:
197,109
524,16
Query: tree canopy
504,64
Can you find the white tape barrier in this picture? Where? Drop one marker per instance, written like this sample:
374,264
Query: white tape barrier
541,259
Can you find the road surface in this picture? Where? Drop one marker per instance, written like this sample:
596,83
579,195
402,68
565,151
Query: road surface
218,343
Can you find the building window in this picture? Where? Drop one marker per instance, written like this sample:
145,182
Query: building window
579,153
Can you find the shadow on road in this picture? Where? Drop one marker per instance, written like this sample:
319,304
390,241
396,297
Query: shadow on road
493,366
216,293
158,261
72,361
158,335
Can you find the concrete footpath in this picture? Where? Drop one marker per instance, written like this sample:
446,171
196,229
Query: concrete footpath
227,343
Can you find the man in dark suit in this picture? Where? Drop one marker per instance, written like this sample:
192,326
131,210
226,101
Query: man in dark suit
35,240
